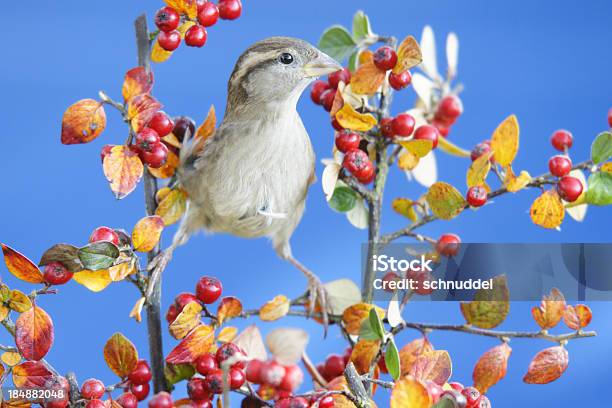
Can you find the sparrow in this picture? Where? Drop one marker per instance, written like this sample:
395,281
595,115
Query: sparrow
251,178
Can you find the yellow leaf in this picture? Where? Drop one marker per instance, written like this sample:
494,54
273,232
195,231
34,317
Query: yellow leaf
445,201
147,232
607,167
405,207
184,27
123,170
11,358
349,118
515,183
207,128
353,316
95,281
121,271
490,307
505,141
83,122
172,207
419,148
274,309
19,301
158,54
188,7
367,79
136,311
550,311
547,210
447,147
4,311
407,161
229,307
409,393
365,56
186,321
161,194
170,139
227,334
168,169
408,55
479,170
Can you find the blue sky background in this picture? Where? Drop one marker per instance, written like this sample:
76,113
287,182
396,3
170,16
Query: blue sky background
546,61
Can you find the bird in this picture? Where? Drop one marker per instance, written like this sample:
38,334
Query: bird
251,177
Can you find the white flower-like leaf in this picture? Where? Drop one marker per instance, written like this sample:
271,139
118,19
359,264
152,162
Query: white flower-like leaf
330,178
452,54
423,87
578,212
358,216
426,172
428,50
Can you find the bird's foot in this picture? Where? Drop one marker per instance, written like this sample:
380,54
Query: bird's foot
155,268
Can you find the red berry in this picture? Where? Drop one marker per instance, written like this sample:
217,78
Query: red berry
442,129
327,99
292,379
610,117
483,402
317,89
253,371
161,400
206,363
450,108
208,289
403,124
236,378
385,58
321,370
434,391
184,126
347,140
203,403
182,299
55,273
230,9
334,365
420,277
161,123
214,381
569,188
196,389
336,125
400,81
167,19
343,75
359,165
106,150
476,196
559,166
172,313
141,391
95,403
141,373
208,14
92,389
146,139
196,36
156,157
295,402
127,400
386,127
472,395
272,373
327,402
382,365
427,132
389,276
448,245
347,355
480,149
104,234
230,350
561,140
457,386
170,40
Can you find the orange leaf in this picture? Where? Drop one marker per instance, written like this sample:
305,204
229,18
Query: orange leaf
168,169
337,103
363,354
186,321
274,309
433,366
34,333
31,374
349,118
207,128
505,141
137,81
409,393
158,54
367,79
340,401
547,210
408,55
577,317
491,367
83,122
141,109
172,206
353,316
411,351
120,355
229,307
20,266
550,312
123,170
188,7
197,343
147,232
136,311
547,366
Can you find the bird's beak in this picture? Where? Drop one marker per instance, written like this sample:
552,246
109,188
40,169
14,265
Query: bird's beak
322,65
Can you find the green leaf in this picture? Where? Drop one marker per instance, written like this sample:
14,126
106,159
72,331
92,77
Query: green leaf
352,64
601,149
392,359
361,26
447,402
343,199
337,42
600,188
98,255
366,332
175,373
376,323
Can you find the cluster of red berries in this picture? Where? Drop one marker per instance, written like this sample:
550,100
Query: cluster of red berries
136,388
167,20
385,59
207,291
276,381
403,126
465,397
356,159
449,109
324,92
568,187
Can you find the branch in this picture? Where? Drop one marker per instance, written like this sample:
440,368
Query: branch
359,188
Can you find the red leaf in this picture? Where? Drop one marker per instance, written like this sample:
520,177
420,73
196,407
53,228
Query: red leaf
547,366
20,266
30,374
197,343
577,317
83,122
491,367
34,333
141,109
137,81
433,366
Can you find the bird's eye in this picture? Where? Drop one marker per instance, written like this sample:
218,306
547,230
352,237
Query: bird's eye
286,58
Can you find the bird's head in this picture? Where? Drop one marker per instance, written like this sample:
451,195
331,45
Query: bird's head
275,71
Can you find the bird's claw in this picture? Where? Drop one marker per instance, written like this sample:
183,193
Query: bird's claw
155,268
318,293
